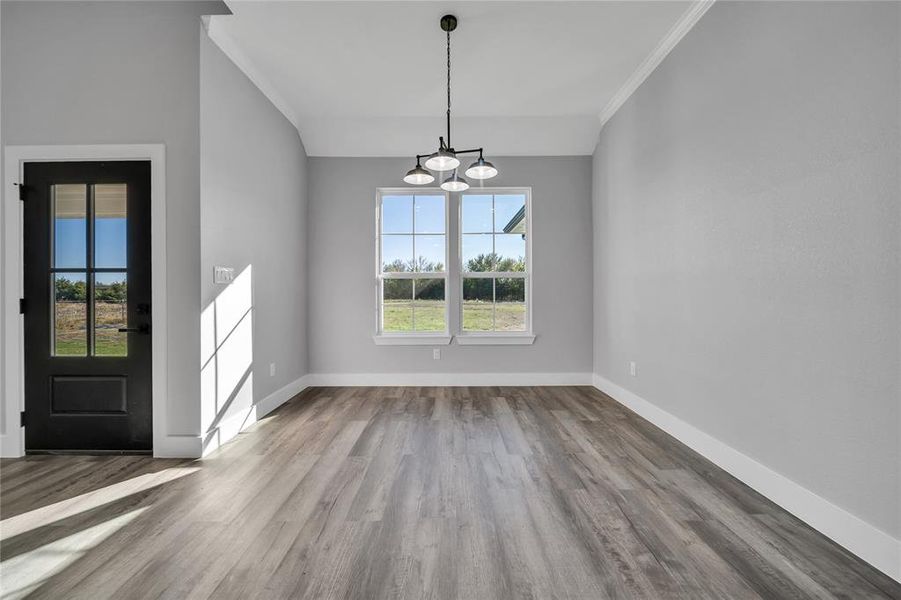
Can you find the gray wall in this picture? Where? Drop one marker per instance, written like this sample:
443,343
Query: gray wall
121,73
342,264
746,211
252,212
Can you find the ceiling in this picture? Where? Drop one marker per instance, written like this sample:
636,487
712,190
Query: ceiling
368,78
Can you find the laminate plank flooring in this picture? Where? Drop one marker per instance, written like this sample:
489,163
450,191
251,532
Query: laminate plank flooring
425,493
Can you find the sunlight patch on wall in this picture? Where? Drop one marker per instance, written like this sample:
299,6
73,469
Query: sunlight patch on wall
226,377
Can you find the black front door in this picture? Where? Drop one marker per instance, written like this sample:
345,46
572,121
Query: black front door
87,306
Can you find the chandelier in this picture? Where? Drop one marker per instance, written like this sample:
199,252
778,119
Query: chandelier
445,158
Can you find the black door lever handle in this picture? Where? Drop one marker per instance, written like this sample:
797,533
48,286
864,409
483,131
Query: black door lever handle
145,328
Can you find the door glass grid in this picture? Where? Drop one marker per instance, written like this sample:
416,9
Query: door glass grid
70,314
89,282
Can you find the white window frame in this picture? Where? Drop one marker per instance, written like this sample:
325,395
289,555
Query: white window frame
413,337
496,337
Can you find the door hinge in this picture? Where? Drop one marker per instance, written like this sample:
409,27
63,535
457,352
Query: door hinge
23,191
22,419
21,306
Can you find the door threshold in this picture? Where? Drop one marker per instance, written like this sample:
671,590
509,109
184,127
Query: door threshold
90,452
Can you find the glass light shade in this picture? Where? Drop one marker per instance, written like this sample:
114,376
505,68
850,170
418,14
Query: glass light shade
418,176
481,169
442,161
455,183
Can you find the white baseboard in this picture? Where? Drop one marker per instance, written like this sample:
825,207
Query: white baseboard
447,379
178,446
856,535
227,429
280,396
11,446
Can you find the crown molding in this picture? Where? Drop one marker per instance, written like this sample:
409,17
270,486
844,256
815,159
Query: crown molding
644,70
232,50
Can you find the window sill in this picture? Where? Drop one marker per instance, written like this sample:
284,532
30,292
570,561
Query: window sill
412,340
471,339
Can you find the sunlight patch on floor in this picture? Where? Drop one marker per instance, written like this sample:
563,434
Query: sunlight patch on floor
23,574
46,515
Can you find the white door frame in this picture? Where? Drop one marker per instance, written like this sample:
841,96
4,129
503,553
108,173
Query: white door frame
12,438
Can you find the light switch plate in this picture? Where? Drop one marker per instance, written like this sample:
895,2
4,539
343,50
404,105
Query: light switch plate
223,275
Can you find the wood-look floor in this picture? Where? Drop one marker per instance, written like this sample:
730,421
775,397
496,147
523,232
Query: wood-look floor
471,493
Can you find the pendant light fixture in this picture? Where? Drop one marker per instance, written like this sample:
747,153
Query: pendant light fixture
454,183
418,176
446,158
481,169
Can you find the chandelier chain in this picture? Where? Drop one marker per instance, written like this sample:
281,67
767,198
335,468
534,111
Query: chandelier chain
447,159
448,87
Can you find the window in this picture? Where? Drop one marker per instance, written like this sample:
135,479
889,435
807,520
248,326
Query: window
412,262
483,294
494,251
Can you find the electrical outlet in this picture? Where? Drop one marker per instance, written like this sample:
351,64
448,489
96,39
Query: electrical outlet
271,369
633,369
436,353
223,275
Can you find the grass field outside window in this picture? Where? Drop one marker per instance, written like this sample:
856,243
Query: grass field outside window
71,329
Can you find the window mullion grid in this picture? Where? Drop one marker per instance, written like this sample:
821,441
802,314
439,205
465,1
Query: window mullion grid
90,275
413,304
494,305
490,274
413,274
52,272
495,275
495,265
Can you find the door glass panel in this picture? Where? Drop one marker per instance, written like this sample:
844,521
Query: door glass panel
70,315
110,313
110,226
69,225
